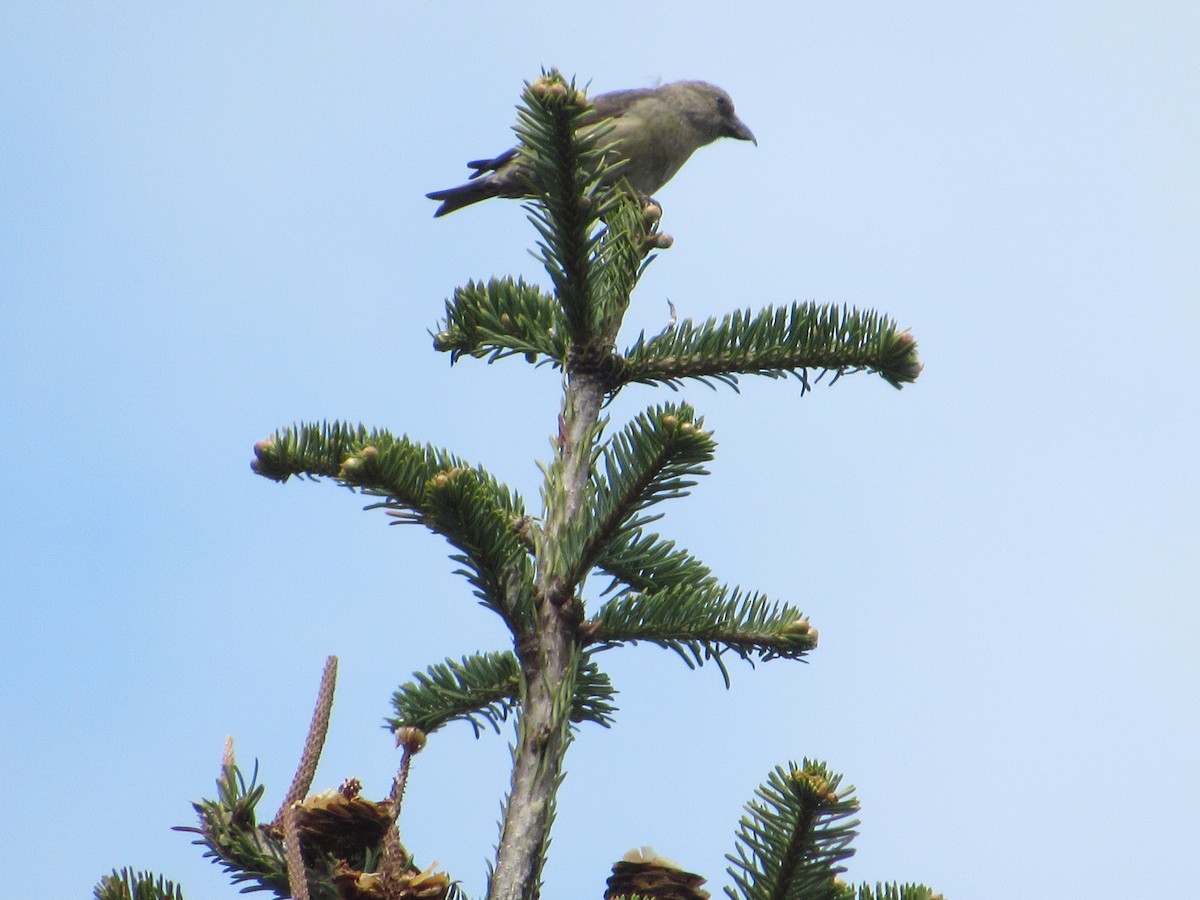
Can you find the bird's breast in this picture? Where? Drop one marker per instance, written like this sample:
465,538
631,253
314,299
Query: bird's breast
656,148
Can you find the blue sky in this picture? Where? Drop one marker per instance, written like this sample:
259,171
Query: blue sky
212,225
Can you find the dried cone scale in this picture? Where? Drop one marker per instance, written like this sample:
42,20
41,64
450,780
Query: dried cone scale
427,885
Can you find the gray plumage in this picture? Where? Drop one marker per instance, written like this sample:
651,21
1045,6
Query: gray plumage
655,129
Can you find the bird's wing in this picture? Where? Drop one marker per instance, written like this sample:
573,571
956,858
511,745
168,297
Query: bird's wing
614,104
483,166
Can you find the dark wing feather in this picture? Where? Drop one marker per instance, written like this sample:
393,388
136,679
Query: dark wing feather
612,105
483,166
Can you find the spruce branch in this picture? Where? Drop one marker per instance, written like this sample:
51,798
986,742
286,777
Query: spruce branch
504,316
575,181
630,232
775,342
640,562
566,167
702,625
370,461
462,506
652,459
656,457
248,853
483,690
424,485
792,839
500,318
594,693
480,690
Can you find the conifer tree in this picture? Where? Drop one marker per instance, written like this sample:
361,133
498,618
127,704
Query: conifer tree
529,568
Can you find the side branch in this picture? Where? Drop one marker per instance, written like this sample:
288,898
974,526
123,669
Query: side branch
703,625
500,318
776,342
655,457
423,485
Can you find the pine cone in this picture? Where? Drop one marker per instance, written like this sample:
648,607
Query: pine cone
644,874
341,823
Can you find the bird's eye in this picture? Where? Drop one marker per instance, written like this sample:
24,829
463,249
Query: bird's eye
724,107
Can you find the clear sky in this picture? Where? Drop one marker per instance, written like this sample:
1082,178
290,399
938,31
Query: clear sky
212,225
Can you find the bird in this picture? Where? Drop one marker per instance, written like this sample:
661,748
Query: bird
654,129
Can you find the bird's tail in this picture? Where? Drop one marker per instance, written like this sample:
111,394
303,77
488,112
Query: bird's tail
464,195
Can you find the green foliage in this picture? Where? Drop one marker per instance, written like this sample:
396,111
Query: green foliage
592,232
502,317
567,170
704,624
893,891
250,854
129,885
462,506
776,342
646,562
480,690
373,462
424,485
620,261
655,457
793,837
593,693
483,689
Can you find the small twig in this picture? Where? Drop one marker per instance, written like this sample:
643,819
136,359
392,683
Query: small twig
395,860
411,741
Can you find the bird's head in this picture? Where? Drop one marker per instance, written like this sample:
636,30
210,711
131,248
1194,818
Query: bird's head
708,109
